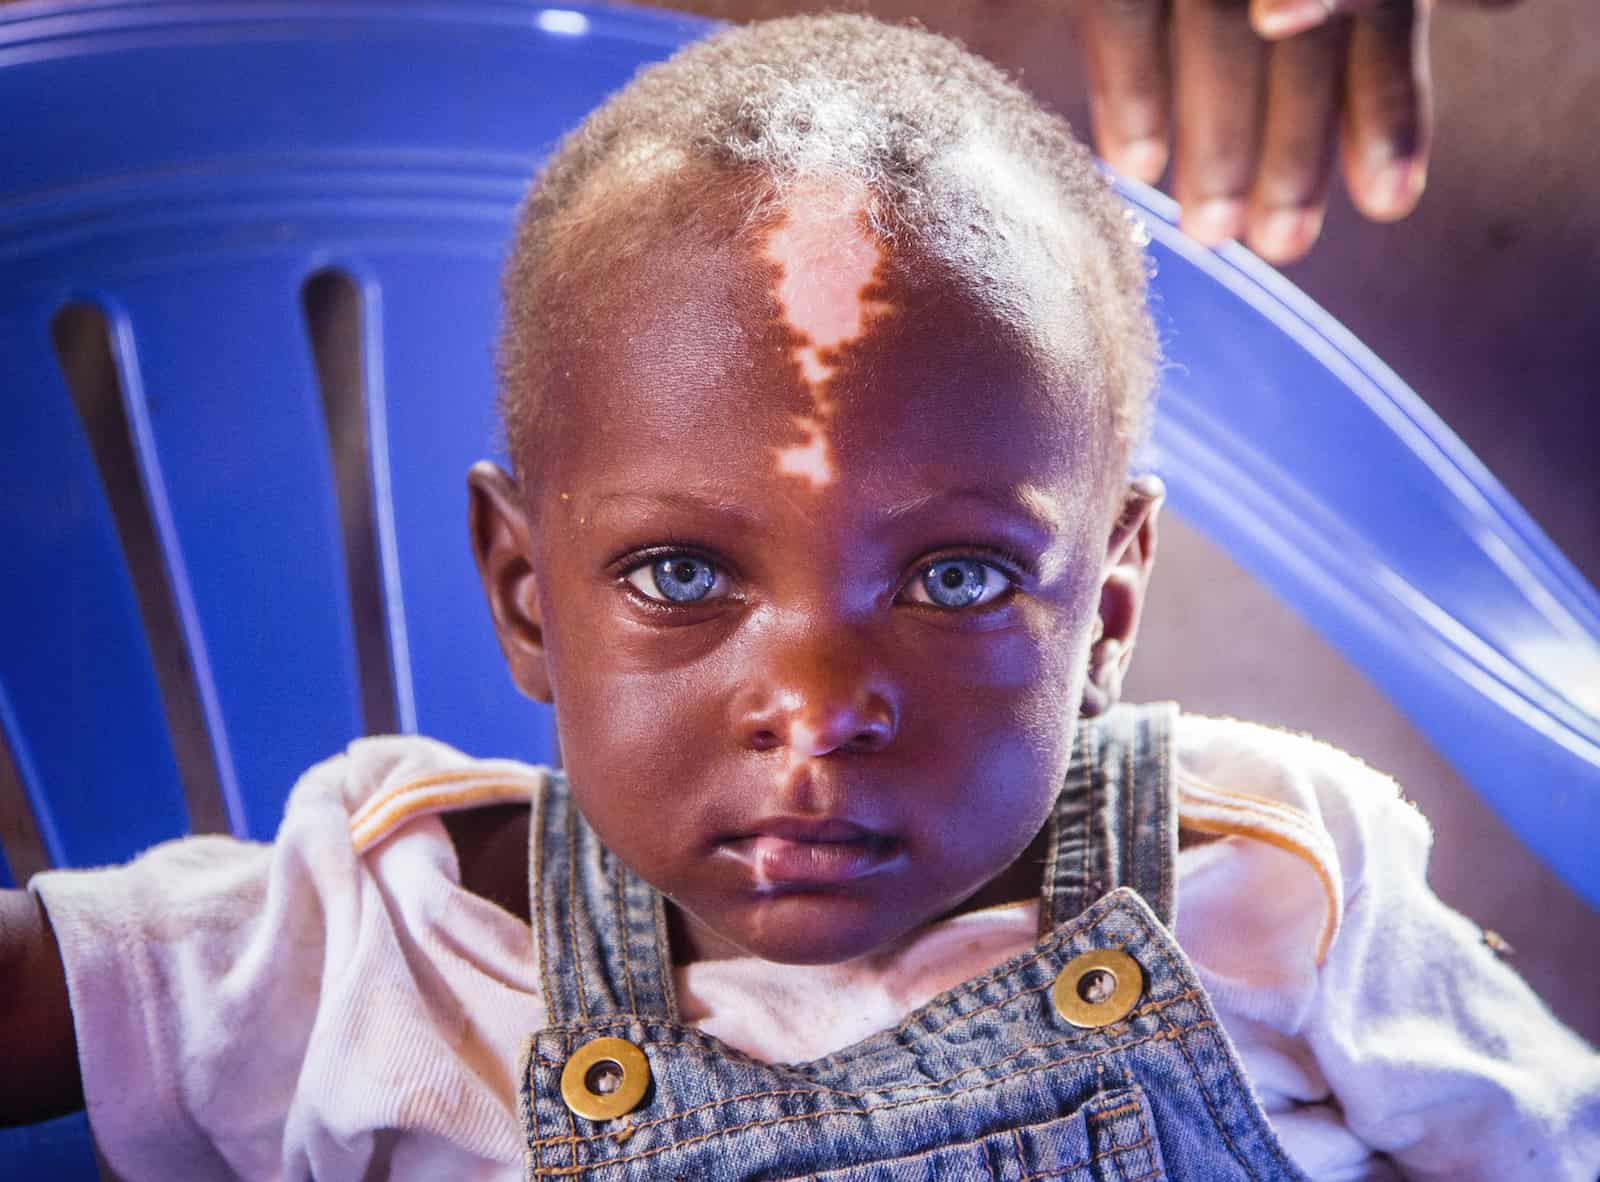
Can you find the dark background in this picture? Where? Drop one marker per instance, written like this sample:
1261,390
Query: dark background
1485,302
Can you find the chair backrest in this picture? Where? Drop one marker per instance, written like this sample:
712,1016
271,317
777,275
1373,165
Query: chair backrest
241,243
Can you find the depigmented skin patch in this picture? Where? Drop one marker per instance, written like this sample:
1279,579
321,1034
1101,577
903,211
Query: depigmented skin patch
828,285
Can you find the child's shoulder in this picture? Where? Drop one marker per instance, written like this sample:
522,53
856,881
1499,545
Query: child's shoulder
1279,770
1286,794
383,784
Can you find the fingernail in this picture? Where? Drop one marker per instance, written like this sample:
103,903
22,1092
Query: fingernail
1143,160
1283,235
1216,220
1284,18
1394,189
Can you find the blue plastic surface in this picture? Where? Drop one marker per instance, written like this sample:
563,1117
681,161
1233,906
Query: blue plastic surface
186,168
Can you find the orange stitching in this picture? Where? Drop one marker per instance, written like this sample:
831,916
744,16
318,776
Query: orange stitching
1282,807
1130,1106
375,803
1288,844
367,832
1115,1150
982,1142
863,1110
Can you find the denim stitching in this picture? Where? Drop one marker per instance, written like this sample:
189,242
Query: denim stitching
1090,843
983,1142
1073,1168
528,1106
1149,1007
988,1162
864,1109
626,939
1052,842
1271,1146
542,893
1177,1034
1167,816
572,911
1130,871
668,989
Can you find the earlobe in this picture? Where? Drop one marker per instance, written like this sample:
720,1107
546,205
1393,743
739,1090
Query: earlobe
502,543
1130,555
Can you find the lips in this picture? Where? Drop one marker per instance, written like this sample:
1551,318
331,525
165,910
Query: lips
800,852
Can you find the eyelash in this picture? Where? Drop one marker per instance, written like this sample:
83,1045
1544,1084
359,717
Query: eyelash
1008,563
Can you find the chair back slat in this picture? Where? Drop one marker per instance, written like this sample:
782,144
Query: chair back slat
226,390
434,433
79,701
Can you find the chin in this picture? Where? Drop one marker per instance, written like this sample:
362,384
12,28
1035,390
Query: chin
807,929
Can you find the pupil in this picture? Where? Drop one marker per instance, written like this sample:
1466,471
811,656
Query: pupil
683,572
953,577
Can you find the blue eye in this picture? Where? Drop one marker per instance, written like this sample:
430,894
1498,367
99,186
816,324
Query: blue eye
679,578
961,582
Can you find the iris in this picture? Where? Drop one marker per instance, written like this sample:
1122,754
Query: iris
681,578
955,582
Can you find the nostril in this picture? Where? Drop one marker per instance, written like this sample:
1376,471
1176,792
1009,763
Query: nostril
869,738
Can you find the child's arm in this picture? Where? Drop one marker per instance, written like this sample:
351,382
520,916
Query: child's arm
37,1042
1440,1054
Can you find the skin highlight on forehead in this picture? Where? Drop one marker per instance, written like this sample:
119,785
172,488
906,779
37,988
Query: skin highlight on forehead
827,285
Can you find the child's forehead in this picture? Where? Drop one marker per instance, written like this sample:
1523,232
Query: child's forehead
811,330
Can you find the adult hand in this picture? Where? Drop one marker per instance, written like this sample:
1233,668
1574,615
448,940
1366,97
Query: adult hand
1255,95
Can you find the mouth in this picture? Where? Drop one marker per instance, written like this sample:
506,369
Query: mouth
789,852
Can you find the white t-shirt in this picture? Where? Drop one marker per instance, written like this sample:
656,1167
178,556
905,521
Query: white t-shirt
336,1003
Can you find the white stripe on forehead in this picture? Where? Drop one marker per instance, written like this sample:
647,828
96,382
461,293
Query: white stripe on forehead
827,261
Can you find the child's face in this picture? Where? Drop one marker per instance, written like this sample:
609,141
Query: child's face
810,578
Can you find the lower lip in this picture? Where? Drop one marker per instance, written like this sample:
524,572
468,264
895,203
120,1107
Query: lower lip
777,861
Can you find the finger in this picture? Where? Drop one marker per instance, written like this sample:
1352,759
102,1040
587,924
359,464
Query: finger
1388,110
1305,83
1125,45
1220,72
1277,19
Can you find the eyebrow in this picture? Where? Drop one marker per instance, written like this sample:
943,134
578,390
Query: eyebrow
682,501
1038,508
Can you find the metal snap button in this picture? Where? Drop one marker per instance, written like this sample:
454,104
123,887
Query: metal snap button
1098,988
605,1078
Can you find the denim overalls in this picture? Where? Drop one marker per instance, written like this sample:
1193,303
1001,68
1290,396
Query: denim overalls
1095,1055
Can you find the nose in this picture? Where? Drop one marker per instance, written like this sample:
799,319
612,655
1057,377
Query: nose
818,701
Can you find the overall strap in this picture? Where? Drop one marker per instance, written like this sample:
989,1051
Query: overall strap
600,929
1116,820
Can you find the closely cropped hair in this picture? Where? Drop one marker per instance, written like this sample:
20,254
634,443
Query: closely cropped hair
957,161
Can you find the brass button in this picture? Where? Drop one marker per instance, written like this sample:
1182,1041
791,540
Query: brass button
605,1078
1098,988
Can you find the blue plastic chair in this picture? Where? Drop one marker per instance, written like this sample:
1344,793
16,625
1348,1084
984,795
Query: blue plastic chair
183,182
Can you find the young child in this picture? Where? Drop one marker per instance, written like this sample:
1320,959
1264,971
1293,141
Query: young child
824,358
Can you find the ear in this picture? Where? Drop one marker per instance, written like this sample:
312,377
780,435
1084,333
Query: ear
502,542
1130,555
